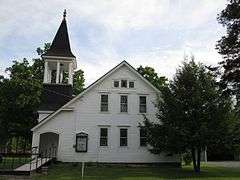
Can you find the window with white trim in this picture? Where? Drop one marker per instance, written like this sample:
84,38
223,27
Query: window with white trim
103,136
131,84
142,104
123,137
123,103
143,137
124,83
104,103
116,84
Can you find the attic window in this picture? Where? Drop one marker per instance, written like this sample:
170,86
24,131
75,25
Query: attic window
131,84
116,84
124,83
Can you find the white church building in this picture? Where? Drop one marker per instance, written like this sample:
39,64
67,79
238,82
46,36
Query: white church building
101,124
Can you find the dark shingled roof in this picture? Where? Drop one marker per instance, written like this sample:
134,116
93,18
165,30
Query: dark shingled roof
60,45
54,96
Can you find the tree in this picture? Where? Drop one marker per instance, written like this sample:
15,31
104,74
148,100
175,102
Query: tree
229,47
19,100
150,74
78,82
193,114
20,97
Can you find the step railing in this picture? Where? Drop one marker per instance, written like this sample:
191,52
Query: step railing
38,159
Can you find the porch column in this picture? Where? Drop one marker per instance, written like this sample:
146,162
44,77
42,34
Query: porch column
58,72
45,79
70,74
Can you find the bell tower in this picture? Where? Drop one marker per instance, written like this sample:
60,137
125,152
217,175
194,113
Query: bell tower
59,61
59,66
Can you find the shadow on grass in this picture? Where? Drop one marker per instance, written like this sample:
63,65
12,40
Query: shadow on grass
68,171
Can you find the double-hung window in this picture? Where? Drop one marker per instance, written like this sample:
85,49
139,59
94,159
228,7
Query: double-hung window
123,103
104,103
103,136
123,137
143,137
142,104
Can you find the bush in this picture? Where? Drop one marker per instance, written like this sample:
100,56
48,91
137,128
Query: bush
187,158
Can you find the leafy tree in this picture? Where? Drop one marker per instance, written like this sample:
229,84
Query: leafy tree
150,74
78,82
193,114
19,100
20,97
229,47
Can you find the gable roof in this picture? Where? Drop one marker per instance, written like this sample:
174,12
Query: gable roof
61,45
92,86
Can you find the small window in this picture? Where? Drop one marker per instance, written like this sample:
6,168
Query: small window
104,137
116,84
124,83
104,103
123,137
131,84
124,104
81,142
143,137
142,104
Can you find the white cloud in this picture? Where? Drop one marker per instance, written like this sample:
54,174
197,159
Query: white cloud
31,23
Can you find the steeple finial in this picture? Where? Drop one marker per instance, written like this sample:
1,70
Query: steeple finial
64,14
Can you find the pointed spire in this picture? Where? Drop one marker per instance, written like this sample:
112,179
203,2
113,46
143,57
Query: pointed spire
61,45
64,14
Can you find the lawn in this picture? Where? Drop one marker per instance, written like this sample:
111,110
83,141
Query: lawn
67,172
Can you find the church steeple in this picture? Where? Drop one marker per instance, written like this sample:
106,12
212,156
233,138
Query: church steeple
59,65
59,59
61,45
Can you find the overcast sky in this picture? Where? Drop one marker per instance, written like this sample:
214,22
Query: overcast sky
104,32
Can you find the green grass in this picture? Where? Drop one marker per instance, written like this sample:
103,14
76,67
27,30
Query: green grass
68,172
9,163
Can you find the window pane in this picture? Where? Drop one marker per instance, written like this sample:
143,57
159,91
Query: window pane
103,132
143,109
103,141
142,104
143,137
142,99
143,132
143,141
123,132
116,83
104,98
124,104
123,141
103,136
131,84
104,102
124,83
123,99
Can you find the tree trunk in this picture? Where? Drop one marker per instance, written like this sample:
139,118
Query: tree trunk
194,159
198,159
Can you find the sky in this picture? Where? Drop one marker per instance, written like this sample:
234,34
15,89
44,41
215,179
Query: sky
156,33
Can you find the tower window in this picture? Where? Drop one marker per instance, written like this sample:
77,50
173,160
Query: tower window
124,83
